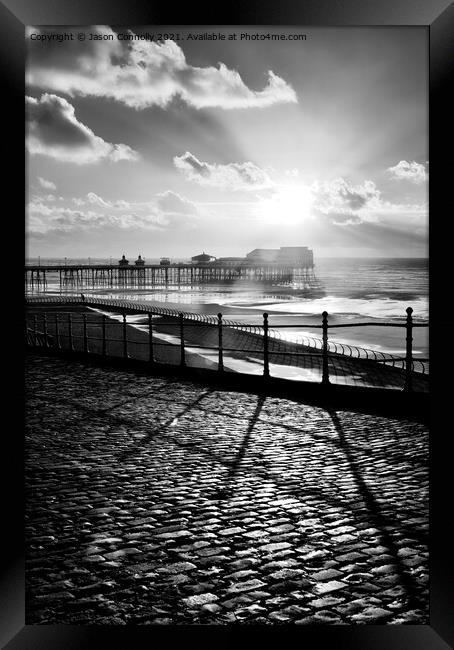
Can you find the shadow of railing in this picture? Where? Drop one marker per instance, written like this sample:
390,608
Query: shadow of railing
382,523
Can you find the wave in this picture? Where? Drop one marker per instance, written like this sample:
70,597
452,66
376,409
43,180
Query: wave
380,308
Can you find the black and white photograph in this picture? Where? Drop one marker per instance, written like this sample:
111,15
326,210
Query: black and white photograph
227,323
231,416
231,422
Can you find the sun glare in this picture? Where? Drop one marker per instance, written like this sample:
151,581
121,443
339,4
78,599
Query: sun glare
289,205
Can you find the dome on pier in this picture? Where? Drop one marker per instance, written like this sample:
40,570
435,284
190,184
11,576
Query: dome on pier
203,257
139,261
123,261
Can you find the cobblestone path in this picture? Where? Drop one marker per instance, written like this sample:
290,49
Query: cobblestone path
153,501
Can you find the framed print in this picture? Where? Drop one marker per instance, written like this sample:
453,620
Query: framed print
233,232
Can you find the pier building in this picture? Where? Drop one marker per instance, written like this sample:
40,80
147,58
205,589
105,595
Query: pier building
287,255
203,258
262,255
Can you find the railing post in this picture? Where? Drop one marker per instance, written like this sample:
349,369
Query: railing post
70,332
46,343
57,332
266,364
325,370
35,338
84,318
150,337
183,358
220,350
104,342
125,339
408,386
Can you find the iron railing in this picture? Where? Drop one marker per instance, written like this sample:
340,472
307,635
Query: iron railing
335,347
74,331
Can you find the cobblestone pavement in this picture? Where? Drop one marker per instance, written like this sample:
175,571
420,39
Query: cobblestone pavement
153,501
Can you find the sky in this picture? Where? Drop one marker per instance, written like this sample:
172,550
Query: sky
174,147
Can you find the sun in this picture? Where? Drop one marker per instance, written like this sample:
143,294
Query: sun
288,205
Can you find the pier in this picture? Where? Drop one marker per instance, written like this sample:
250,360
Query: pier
158,275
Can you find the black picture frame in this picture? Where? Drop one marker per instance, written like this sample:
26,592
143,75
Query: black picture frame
438,17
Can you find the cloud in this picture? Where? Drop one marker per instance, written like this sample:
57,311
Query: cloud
409,171
97,200
172,202
166,203
234,176
94,213
141,74
47,185
43,218
53,130
345,204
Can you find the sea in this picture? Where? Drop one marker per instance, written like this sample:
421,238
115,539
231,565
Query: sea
351,290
